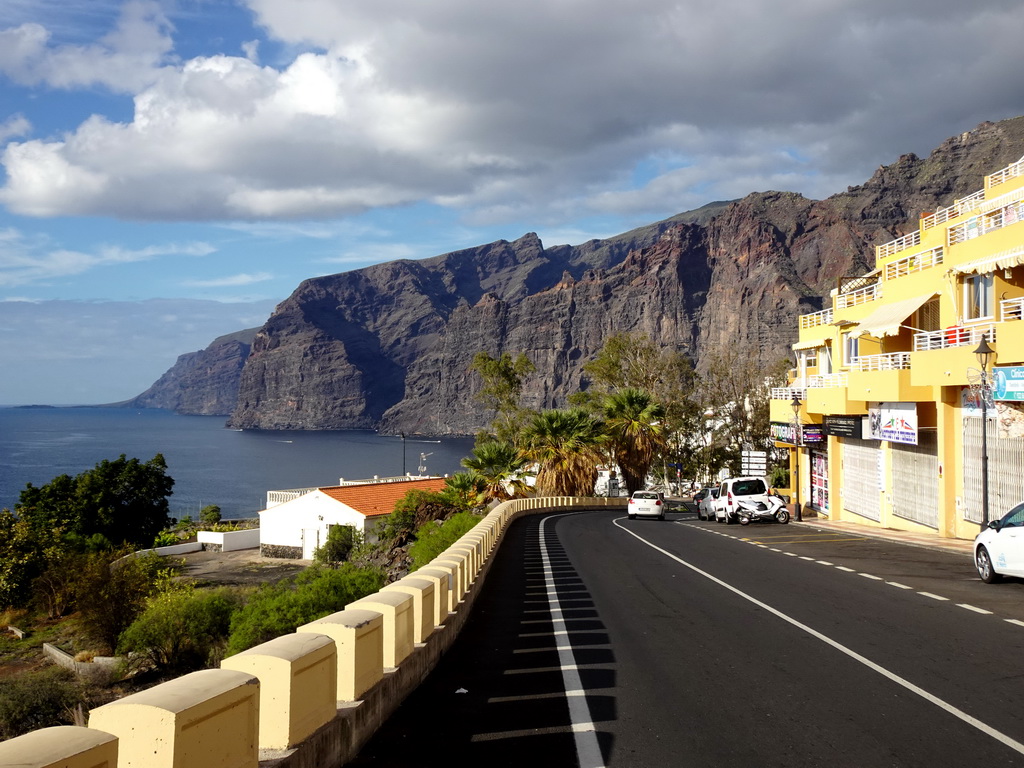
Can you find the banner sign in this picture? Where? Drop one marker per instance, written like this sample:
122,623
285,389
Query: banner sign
1009,382
783,432
844,426
895,422
812,433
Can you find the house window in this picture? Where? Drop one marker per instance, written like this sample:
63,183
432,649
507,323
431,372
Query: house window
811,358
979,297
928,317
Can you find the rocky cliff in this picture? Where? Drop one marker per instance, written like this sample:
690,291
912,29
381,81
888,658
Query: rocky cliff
390,346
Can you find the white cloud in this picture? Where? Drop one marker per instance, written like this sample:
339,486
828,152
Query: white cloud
15,125
231,280
26,259
528,110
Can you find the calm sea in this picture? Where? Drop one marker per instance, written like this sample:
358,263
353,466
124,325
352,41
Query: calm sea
209,464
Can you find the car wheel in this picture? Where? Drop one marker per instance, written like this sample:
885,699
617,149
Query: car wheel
782,516
744,520
728,519
983,562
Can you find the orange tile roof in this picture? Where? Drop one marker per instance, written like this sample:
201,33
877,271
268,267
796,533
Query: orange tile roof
373,499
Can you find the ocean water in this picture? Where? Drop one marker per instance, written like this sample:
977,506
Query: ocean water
209,463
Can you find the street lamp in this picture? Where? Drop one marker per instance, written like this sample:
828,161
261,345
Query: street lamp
984,353
403,453
796,464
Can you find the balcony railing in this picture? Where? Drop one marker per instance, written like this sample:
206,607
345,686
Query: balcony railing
815,319
897,245
1012,309
956,336
958,208
860,296
892,361
1011,171
987,222
840,379
914,263
788,393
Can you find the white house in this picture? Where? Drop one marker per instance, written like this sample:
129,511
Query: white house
297,527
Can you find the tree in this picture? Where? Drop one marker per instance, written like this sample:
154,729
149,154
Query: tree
434,538
210,514
468,487
567,444
413,510
124,501
502,386
112,590
633,423
341,540
498,465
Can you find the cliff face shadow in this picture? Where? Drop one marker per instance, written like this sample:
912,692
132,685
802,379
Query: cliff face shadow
498,697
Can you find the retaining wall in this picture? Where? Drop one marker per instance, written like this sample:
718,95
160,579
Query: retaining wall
310,699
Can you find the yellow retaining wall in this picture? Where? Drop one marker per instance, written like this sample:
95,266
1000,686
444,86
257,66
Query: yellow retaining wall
207,719
63,746
298,677
212,718
423,614
358,636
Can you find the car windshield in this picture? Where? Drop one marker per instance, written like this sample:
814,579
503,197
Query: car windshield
715,492
645,495
748,487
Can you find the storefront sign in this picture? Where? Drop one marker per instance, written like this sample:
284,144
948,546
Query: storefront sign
895,422
784,433
1009,382
812,433
844,426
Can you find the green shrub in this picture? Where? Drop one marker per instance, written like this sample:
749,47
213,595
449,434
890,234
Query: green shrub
432,539
37,700
278,609
181,631
165,539
209,515
413,510
341,539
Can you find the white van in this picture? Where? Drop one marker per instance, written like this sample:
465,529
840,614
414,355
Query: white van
752,488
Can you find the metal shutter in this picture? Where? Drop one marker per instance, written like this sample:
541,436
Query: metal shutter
1005,470
861,473
915,480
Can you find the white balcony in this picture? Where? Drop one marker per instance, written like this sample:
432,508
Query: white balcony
897,245
913,263
814,319
892,361
1012,309
958,208
840,379
957,336
860,296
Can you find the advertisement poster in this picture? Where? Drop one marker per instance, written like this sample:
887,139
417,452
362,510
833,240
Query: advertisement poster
895,422
1008,383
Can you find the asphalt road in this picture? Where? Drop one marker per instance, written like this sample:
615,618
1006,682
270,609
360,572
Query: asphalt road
694,643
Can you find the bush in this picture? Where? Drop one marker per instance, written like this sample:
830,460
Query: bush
278,609
37,700
181,631
165,539
413,510
209,515
111,592
432,539
341,539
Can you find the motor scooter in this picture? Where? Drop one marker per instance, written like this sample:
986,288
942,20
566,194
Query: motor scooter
771,509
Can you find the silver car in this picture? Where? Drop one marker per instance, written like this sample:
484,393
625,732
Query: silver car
646,504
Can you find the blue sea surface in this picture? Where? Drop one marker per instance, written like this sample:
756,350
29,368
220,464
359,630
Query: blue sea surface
209,463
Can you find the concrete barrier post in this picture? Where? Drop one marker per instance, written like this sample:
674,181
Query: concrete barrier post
62,746
397,610
460,584
298,677
422,592
359,639
444,588
208,718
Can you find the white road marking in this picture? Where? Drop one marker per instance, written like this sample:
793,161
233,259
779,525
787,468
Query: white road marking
588,751
823,562
903,682
898,585
974,608
844,568
1018,622
805,557
871,576
933,596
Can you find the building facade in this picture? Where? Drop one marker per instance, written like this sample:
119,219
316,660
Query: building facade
883,413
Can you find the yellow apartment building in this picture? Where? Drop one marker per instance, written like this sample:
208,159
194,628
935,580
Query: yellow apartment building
888,431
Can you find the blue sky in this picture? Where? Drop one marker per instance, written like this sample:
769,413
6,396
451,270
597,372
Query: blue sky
170,159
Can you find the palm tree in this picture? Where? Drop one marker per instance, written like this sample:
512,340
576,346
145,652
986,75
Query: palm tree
567,446
469,487
499,466
633,424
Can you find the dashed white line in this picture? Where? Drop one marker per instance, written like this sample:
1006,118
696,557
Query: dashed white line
805,557
974,608
871,576
898,585
844,568
824,562
933,596
1018,622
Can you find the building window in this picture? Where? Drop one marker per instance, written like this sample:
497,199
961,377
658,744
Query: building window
851,348
979,297
928,317
811,358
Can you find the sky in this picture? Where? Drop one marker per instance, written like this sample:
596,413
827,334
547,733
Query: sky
171,169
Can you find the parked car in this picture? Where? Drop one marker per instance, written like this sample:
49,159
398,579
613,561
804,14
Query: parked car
735,488
646,504
704,506
999,548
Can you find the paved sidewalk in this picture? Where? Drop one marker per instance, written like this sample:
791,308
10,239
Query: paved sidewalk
932,540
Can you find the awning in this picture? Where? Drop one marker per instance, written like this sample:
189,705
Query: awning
887,319
1002,201
810,344
1002,260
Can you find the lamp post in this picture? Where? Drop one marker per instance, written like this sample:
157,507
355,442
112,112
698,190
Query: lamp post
796,464
403,454
984,353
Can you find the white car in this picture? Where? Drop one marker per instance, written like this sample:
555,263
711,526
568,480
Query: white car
646,504
748,488
999,548
705,509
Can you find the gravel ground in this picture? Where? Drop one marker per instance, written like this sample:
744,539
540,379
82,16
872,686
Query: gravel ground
240,568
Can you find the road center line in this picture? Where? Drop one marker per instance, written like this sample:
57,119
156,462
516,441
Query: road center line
959,713
588,751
